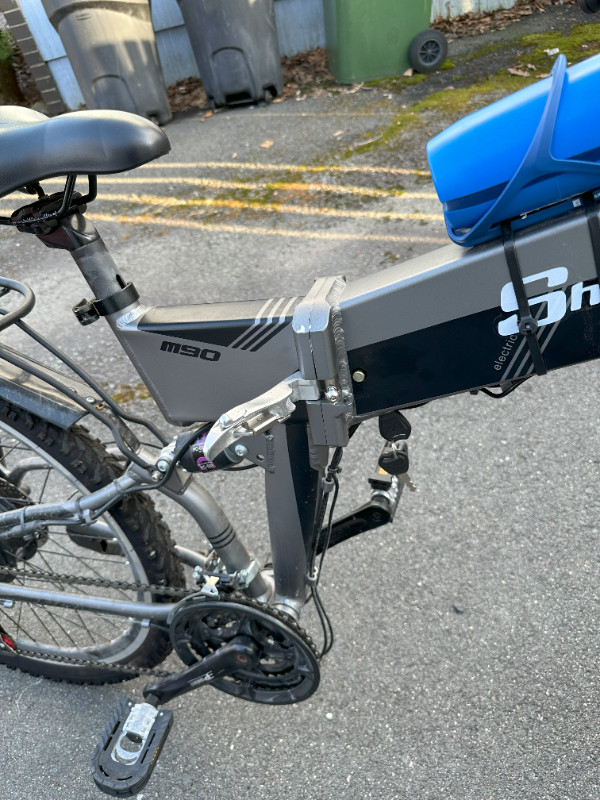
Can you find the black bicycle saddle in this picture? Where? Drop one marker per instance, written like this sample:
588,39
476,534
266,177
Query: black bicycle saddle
34,147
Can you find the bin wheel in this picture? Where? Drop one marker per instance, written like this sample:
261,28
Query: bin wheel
589,6
428,51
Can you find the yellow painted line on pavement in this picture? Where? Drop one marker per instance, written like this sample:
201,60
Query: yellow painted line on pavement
256,231
344,169
214,183
282,208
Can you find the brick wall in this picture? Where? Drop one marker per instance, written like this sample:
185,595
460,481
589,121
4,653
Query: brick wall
12,16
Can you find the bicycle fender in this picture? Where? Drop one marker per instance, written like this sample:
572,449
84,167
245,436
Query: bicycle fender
38,397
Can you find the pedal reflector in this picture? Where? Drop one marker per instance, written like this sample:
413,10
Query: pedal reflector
125,756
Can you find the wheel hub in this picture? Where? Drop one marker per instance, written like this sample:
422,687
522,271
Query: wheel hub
17,548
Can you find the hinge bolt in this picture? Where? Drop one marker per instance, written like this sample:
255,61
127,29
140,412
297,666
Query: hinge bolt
332,394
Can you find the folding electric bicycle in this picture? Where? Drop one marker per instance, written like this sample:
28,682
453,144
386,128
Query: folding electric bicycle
92,587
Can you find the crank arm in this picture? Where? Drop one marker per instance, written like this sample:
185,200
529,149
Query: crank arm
240,653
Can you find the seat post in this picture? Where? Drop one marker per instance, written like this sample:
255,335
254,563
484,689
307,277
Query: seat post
80,237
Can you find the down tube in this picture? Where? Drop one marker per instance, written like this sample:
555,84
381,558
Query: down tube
292,493
446,322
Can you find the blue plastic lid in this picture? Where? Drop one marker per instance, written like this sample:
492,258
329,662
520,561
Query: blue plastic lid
538,146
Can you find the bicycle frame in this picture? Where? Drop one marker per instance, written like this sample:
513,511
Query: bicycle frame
448,322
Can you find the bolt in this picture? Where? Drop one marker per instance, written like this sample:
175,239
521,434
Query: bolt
359,375
90,399
224,422
332,394
156,476
162,465
240,450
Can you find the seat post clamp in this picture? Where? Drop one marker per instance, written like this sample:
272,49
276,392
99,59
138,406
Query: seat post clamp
88,311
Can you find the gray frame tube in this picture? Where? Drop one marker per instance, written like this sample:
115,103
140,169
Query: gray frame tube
213,522
157,612
291,493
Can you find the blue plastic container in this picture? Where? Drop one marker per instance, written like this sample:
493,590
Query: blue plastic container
534,148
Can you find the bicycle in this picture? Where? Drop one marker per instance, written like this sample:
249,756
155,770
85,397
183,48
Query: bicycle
284,384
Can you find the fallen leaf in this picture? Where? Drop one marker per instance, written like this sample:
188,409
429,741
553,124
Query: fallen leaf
338,133
409,73
234,155
356,87
266,144
518,72
482,22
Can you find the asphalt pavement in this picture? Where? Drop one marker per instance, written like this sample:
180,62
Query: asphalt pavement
466,655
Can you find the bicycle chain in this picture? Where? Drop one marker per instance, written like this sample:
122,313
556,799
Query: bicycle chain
173,591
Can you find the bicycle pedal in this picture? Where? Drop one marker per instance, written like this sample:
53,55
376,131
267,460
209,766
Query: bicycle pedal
125,757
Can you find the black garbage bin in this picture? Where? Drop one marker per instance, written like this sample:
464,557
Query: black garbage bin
111,47
236,49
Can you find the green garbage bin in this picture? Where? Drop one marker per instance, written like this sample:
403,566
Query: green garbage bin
372,39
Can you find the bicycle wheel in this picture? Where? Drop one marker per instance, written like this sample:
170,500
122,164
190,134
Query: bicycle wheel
42,463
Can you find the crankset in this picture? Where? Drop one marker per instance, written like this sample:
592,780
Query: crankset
287,666
236,644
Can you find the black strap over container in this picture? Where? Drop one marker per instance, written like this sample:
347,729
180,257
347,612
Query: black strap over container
527,325
591,211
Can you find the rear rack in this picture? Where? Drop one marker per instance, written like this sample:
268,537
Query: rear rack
10,317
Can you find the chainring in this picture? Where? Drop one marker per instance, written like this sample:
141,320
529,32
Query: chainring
288,667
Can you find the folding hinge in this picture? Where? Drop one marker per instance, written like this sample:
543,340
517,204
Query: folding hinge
319,336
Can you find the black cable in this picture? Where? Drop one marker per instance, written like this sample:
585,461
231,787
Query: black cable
166,475
72,365
326,624
329,526
504,392
331,475
240,469
320,516
26,366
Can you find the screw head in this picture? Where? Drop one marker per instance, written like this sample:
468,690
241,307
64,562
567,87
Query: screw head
333,394
90,399
359,375
162,465
240,450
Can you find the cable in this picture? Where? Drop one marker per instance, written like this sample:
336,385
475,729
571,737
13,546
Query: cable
26,366
166,475
504,392
330,478
72,365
